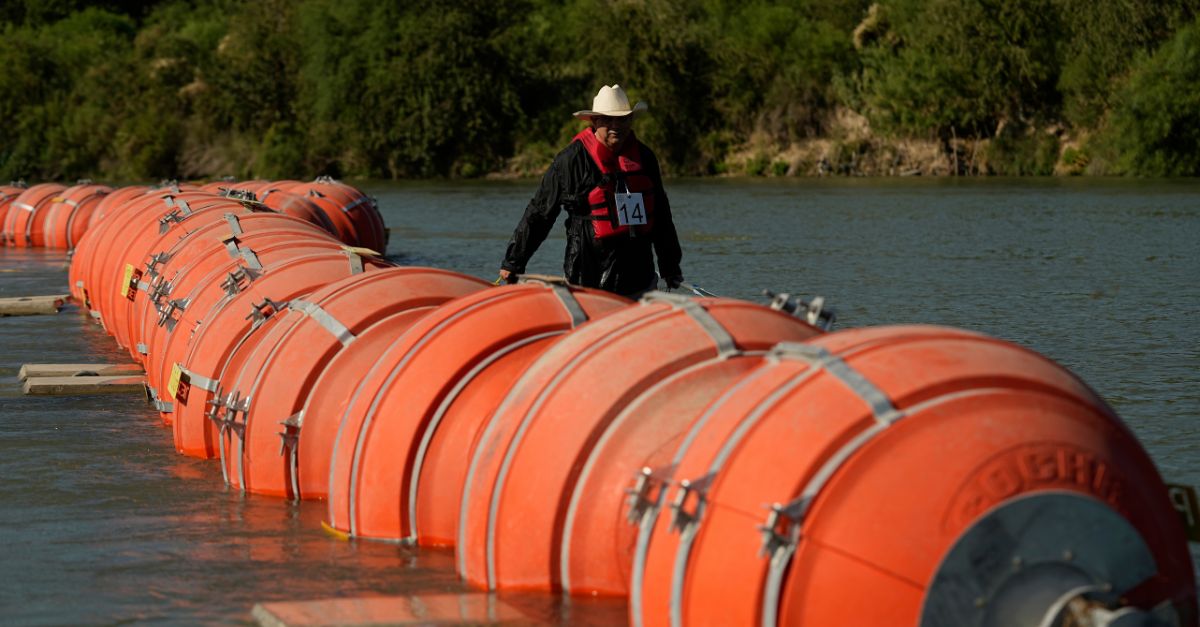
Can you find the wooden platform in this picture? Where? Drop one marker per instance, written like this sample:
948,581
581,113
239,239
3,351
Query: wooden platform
67,386
32,305
33,371
74,379
434,609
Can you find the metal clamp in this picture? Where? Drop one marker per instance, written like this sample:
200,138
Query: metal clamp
681,517
237,280
166,310
263,310
781,528
155,260
812,311
290,436
646,492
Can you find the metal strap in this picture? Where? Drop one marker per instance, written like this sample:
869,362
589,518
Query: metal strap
568,300
143,286
782,529
356,262
251,260
725,344
143,349
323,318
25,206
199,381
235,225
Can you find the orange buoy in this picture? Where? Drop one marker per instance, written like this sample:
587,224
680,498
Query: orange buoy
352,212
193,368
222,268
527,461
86,247
23,221
144,237
8,193
297,206
192,248
384,433
958,478
267,387
331,394
140,228
186,296
67,217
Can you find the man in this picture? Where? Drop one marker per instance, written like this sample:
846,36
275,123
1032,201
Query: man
618,216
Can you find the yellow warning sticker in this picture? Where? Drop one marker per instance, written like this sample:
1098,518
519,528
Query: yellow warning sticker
173,383
57,199
127,280
360,251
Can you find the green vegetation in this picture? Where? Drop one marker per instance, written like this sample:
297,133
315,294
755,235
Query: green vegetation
284,88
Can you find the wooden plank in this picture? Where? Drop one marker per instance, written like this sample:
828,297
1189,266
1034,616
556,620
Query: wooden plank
70,386
429,609
33,371
32,305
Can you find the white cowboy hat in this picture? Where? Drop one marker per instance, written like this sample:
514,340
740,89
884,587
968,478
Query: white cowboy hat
611,101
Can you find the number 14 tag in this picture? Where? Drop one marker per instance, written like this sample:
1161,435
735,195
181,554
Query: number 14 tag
630,210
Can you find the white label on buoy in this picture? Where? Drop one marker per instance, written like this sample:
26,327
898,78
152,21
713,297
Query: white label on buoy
630,210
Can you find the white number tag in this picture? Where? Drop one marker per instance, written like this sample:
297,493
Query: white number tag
630,210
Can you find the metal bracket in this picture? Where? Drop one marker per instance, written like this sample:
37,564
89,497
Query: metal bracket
237,280
290,436
155,260
166,310
681,517
261,311
647,491
780,529
812,311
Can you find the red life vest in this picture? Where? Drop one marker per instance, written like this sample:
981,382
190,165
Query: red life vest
622,173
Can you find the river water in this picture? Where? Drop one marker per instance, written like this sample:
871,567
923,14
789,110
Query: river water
103,523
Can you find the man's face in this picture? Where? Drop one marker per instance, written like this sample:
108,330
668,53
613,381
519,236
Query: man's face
612,131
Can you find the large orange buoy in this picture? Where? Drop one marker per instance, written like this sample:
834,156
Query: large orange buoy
528,459
383,436
24,213
143,238
189,250
330,395
8,193
86,247
352,212
100,243
265,388
957,478
193,369
126,252
221,268
297,206
67,217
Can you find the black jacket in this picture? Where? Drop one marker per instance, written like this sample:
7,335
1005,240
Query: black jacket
622,264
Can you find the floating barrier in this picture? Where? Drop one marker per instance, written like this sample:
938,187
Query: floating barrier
68,216
22,223
8,194
715,461
266,388
406,393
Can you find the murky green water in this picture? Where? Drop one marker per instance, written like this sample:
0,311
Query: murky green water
103,523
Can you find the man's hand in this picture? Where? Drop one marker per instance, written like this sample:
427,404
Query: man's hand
673,282
506,277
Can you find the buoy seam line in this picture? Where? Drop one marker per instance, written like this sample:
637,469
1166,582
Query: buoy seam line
526,420
798,508
435,422
593,456
650,517
364,427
